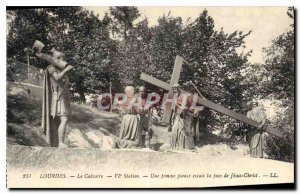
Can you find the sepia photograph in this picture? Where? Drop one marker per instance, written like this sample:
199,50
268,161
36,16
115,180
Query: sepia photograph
150,96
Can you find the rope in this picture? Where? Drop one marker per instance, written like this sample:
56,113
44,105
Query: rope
35,102
24,64
16,79
197,89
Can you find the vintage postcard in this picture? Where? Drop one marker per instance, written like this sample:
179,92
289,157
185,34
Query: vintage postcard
150,97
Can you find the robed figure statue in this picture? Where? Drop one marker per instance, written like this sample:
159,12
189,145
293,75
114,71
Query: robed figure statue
56,96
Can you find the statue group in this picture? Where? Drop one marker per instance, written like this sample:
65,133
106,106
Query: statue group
135,129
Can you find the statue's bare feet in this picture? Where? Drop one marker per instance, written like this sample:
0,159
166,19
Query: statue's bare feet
108,143
62,145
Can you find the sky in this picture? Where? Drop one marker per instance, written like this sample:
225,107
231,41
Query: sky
266,23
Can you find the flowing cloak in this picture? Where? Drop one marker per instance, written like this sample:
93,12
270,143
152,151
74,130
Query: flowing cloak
182,135
256,141
130,131
55,104
49,124
184,126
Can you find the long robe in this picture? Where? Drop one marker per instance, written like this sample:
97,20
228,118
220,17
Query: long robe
130,131
256,144
183,131
54,105
49,123
256,139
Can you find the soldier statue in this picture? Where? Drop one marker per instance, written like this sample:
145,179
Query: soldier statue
56,96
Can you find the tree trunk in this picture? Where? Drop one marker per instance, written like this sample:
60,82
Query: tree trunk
82,97
125,30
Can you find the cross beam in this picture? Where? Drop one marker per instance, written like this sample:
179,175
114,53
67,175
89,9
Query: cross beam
174,80
211,105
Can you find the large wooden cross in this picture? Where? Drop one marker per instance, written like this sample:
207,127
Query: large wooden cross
201,101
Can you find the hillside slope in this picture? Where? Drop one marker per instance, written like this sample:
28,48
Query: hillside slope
87,127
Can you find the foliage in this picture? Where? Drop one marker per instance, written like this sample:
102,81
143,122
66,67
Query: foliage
133,57
77,32
165,44
98,59
283,148
213,54
280,64
123,18
117,48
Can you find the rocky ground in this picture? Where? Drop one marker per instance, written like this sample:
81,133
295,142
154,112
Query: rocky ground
88,126
139,168
28,152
